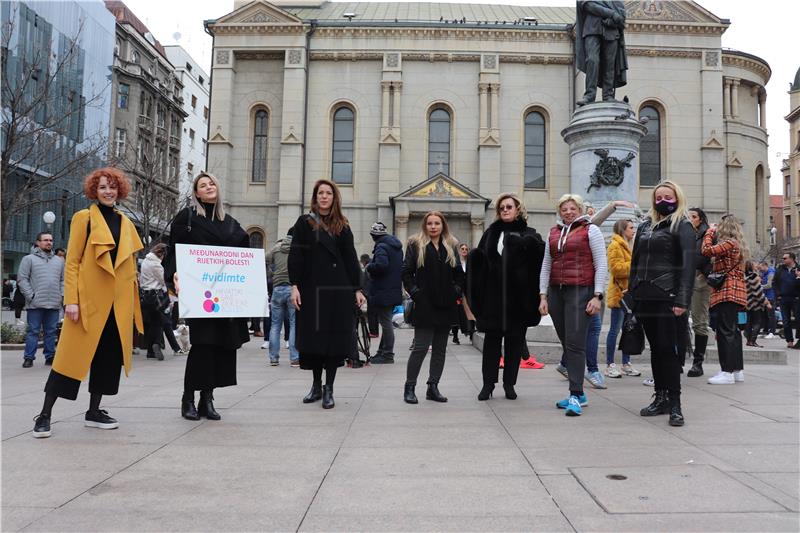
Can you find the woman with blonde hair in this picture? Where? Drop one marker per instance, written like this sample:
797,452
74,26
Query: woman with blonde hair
725,244
619,266
661,281
432,277
571,287
212,358
503,276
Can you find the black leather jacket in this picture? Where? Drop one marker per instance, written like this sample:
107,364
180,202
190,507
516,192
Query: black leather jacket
663,263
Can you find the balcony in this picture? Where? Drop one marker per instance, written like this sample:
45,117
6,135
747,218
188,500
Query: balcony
174,142
146,123
161,133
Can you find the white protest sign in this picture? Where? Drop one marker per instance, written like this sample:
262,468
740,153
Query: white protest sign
221,281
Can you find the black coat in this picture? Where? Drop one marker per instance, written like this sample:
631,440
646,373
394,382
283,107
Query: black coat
434,287
229,333
385,270
503,291
325,269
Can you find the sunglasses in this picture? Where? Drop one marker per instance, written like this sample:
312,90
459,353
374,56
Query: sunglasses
506,207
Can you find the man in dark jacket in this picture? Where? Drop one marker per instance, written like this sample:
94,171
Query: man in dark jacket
787,288
386,288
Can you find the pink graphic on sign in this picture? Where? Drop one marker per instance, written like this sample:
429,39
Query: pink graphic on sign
210,305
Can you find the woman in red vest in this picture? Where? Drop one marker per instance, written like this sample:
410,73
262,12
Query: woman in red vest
571,285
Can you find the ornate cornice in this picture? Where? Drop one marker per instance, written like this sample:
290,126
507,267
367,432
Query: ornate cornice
683,28
463,34
260,55
748,63
258,29
663,52
335,55
530,59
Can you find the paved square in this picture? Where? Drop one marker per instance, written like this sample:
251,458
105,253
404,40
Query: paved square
376,464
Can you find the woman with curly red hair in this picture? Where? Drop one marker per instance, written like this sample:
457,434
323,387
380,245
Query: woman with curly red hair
101,296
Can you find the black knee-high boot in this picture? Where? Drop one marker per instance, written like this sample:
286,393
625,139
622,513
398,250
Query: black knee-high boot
700,343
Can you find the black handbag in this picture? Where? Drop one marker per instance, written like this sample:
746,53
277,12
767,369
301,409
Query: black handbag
716,280
631,342
155,299
408,311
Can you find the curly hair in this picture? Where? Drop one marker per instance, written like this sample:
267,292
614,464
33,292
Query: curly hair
114,177
522,212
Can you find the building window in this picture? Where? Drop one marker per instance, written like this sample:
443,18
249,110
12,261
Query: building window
205,113
439,142
650,148
191,138
189,169
194,102
117,46
260,128
535,149
204,147
787,187
256,239
343,139
201,80
119,143
123,93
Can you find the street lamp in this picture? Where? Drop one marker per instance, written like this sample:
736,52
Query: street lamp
49,217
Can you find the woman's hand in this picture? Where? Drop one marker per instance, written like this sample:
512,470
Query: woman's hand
296,297
543,305
769,305
73,312
678,311
593,307
360,298
175,281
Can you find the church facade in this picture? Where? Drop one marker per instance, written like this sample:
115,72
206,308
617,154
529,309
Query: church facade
412,107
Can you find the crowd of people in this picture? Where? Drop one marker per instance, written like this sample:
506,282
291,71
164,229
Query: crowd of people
659,271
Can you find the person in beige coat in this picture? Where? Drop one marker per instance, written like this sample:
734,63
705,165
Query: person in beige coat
101,295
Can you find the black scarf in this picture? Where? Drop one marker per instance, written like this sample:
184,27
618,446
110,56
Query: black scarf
114,223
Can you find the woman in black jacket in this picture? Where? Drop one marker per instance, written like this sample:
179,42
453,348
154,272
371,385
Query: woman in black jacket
212,358
432,277
502,286
325,277
701,293
661,281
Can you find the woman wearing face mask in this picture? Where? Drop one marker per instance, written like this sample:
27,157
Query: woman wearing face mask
432,277
325,275
212,358
502,283
102,302
571,286
661,280
701,293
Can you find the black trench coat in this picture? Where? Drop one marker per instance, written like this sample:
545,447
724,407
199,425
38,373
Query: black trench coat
326,271
434,287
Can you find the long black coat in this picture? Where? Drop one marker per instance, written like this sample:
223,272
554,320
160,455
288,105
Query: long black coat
326,271
503,291
434,287
229,333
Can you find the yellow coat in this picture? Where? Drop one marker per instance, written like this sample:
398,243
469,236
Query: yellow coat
92,282
619,266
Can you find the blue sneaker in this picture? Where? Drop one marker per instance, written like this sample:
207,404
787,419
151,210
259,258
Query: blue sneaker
563,404
596,379
573,407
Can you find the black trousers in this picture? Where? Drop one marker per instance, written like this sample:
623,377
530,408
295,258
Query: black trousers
436,339
729,339
600,55
754,320
157,323
209,367
661,328
514,347
104,373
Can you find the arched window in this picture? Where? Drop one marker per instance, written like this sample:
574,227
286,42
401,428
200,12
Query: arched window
439,142
535,151
650,148
260,125
343,137
256,239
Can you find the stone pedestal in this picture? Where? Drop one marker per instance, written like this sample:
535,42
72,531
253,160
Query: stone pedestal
603,140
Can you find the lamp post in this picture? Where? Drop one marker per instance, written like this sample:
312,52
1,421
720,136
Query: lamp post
49,217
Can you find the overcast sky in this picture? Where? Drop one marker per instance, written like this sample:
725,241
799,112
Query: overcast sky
762,28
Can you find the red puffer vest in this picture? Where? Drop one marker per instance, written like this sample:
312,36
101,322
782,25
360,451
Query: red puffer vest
573,264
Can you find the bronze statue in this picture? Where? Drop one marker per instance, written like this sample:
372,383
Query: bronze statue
600,47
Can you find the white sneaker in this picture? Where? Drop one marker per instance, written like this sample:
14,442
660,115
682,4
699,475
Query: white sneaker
628,370
769,336
286,343
265,345
723,378
612,371
649,382
738,376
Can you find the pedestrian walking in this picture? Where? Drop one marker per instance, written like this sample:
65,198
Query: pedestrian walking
432,277
386,287
725,243
661,280
156,304
787,289
767,273
466,319
281,308
503,277
40,279
324,273
571,287
211,362
619,266
102,302
701,293
757,303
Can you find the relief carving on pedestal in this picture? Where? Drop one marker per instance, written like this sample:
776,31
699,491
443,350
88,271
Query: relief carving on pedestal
223,57
610,171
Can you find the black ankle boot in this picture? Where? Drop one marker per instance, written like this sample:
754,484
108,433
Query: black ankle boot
700,343
327,397
408,394
206,407
511,394
315,393
660,405
188,410
486,392
696,370
434,394
455,340
675,413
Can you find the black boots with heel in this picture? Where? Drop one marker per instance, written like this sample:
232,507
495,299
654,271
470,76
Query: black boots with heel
327,397
188,409
434,394
315,394
206,407
659,406
486,392
511,394
408,394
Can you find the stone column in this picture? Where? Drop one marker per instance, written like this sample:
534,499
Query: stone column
385,104
735,98
477,230
401,229
762,108
726,98
484,108
220,149
389,139
290,203
495,108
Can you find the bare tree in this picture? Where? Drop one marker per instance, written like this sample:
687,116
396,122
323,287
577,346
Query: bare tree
44,106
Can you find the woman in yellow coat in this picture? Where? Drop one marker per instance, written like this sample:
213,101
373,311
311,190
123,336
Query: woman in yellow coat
619,265
101,295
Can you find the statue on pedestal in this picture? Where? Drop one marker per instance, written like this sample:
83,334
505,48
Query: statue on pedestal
600,47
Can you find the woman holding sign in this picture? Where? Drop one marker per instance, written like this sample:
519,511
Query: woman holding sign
324,273
212,358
